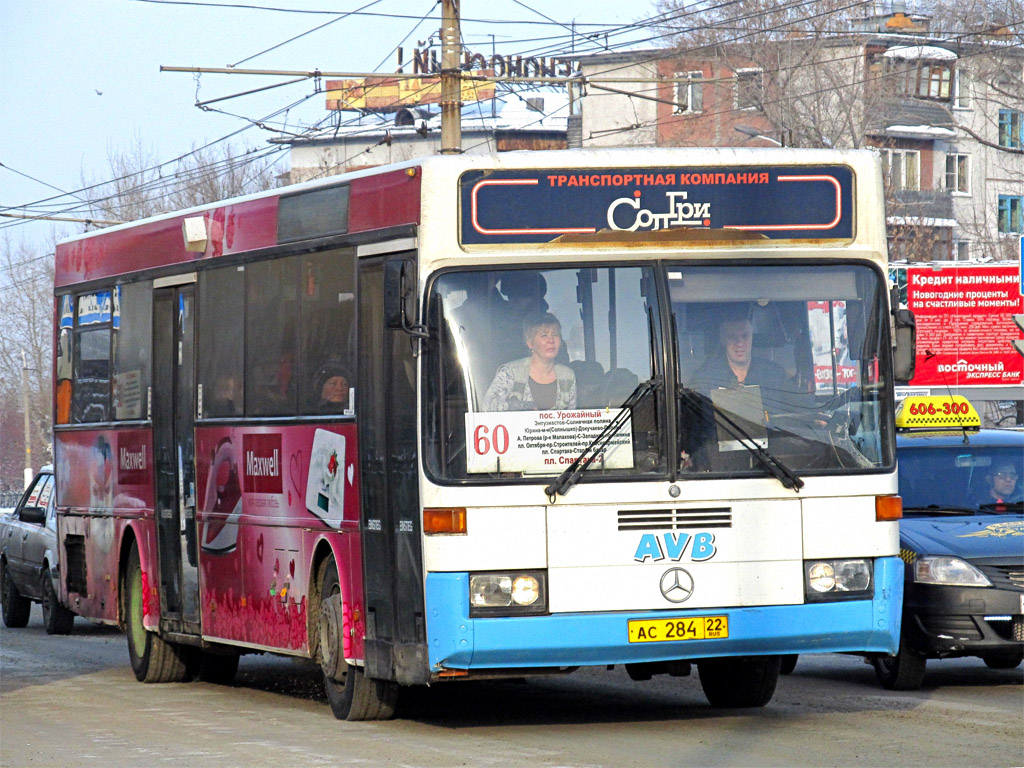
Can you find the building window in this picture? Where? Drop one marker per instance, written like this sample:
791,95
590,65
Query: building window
902,168
749,89
1011,128
957,174
962,250
689,93
961,90
925,80
1011,214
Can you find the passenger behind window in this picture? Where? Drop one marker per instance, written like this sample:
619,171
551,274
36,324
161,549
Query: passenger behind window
536,382
331,388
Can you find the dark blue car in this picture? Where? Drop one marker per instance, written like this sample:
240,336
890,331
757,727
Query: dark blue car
962,539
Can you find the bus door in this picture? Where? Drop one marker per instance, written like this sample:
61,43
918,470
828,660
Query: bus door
389,519
174,408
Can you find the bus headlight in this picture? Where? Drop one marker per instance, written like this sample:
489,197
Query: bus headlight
512,593
949,571
826,580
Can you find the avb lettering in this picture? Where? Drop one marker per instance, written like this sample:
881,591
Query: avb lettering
674,546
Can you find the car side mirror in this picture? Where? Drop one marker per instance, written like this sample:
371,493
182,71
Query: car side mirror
905,345
33,515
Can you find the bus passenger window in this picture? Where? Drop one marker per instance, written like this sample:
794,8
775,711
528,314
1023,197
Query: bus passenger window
65,338
220,340
271,336
90,401
133,338
327,332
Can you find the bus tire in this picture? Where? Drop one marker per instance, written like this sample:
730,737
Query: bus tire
902,672
1003,659
788,663
351,694
741,681
16,607
153,659
57,619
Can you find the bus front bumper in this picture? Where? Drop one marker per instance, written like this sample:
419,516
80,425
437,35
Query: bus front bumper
457,642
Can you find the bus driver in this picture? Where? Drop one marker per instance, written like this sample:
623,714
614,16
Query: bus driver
536,382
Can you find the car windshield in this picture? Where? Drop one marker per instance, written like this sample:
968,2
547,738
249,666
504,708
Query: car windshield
787,359
529,366
963,479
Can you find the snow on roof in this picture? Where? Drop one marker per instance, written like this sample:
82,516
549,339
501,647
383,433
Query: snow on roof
920,130
919,221
919,52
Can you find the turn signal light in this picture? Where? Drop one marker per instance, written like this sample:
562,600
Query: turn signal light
450,520
888,508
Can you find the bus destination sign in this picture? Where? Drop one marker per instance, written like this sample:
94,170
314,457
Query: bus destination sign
539,206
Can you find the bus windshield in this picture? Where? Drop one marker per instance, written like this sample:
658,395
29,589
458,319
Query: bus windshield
785,358
531,365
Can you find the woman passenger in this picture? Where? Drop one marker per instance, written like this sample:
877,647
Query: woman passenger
537,382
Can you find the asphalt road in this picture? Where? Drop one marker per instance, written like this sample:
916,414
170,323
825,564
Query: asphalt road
73,701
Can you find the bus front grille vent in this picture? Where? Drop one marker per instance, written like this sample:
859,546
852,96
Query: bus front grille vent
674,519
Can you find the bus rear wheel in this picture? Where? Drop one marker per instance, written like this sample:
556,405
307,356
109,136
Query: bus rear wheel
154,660
742,681
351,694
57,619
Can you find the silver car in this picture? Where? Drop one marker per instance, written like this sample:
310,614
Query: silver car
28,559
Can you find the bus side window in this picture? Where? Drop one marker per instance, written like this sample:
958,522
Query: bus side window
220,340
133,338
327,332
271,337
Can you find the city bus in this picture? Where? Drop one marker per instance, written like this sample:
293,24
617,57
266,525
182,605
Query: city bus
472,418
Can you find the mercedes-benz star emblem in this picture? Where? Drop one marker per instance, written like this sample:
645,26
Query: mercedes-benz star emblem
676,585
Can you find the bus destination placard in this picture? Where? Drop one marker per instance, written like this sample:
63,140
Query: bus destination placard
539,206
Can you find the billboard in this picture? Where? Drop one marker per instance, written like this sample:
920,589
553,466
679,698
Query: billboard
387,94
964,328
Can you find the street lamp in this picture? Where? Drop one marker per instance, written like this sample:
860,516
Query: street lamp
753,133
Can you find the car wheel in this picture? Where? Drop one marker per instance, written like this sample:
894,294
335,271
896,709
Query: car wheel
57,619
902,672
153,659
742,681
1003,659
788,663
16,607
351,694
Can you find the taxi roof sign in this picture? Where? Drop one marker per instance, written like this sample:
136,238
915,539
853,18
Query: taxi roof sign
937,412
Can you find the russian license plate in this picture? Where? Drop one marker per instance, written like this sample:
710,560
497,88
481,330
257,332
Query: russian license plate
674,630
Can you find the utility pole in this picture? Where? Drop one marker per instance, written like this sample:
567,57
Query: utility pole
451,79
28,422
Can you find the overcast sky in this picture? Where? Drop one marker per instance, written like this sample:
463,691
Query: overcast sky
80,80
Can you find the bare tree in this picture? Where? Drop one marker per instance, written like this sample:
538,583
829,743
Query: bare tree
138,188
26,291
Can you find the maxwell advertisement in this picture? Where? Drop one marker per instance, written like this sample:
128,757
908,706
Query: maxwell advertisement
964,328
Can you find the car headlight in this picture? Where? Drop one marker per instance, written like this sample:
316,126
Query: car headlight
513,593
948,571
826,580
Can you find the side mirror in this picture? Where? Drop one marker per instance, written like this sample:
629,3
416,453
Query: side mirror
400,297
33,515
905,345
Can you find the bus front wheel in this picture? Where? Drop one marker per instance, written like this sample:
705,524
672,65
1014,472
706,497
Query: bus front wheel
351,694
902,672
742,681
154,660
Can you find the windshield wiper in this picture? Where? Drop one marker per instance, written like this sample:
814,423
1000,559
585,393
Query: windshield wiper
940,509
574,471
774,465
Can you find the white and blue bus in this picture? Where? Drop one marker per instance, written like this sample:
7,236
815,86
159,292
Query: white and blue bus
493,416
